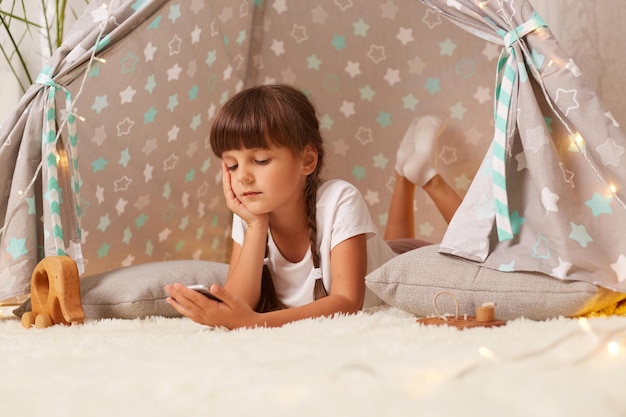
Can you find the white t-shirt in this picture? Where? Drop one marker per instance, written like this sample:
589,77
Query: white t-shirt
341,214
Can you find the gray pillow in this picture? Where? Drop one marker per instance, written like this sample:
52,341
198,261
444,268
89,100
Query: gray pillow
411,281
138,291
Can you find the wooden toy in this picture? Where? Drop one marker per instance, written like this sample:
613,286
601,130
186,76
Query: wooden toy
55,294
485,316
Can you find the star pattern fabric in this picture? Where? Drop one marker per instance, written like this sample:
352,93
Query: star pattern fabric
564,171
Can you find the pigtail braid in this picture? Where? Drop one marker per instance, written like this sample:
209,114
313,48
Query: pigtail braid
319,291
268,300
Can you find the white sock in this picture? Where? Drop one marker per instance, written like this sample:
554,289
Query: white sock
406,148
419,166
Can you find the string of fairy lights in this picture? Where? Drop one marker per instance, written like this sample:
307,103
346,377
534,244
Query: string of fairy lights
103,17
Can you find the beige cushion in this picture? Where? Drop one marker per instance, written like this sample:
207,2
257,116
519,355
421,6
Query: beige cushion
138,291
411,281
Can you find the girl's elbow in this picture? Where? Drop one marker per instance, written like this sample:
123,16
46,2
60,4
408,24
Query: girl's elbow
352,305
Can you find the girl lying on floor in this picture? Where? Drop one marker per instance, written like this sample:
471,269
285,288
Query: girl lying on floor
302,246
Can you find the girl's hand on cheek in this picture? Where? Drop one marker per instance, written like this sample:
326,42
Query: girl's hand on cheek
232,312
233,203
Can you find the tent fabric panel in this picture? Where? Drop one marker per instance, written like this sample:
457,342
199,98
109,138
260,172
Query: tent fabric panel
564,170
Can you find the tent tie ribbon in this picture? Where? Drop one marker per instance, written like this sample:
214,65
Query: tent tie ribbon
508,67
67,160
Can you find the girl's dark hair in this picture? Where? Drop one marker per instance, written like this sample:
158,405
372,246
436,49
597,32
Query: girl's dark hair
282,116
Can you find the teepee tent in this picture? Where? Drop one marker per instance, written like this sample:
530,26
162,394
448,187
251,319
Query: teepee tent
549,194
106,158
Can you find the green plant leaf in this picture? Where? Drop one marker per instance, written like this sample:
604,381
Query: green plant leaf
19,24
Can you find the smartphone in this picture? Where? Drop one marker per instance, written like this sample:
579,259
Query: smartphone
204,290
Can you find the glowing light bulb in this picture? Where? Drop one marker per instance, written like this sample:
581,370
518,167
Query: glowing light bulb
577,139
584,324
613,348
577,143
612,188
485,352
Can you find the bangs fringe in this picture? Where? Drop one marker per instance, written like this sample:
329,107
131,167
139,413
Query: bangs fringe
241,129
259,118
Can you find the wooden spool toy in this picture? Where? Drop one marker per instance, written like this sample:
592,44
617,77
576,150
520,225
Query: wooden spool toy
485,316
55,294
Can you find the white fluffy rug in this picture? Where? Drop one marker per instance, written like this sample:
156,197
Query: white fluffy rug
377,363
